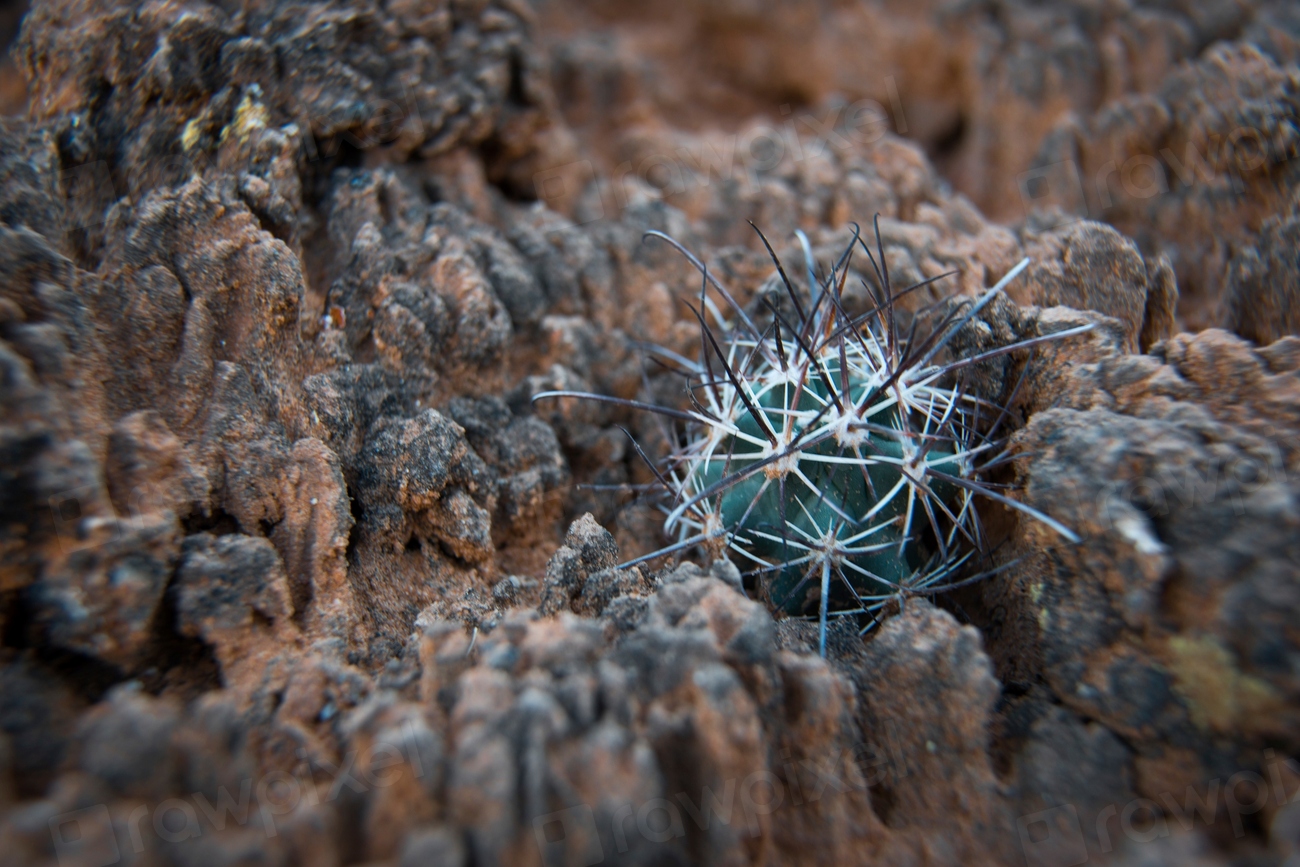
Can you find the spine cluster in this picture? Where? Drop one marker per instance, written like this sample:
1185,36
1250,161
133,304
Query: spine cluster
835,458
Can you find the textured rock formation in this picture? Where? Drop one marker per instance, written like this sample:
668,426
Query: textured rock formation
1144,115
980,84
292,571
1262,299
1194,169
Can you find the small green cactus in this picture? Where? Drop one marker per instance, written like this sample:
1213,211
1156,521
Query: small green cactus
846,494
830,456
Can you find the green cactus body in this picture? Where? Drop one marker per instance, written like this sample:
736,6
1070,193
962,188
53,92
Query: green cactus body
833,459
827,496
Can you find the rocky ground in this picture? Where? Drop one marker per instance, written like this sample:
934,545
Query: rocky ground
292,572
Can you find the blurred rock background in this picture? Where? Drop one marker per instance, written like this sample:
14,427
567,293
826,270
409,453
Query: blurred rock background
292,571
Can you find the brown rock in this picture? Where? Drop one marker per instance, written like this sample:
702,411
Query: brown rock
278,516
1261,301
1177,475
1088,266
1194,169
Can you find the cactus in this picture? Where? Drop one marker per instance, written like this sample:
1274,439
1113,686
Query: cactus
836,459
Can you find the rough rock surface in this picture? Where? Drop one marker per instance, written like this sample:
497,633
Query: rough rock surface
1261,301
1176,122
293,571
1195,169
979,83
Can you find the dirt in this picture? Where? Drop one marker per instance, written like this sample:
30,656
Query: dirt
293,570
